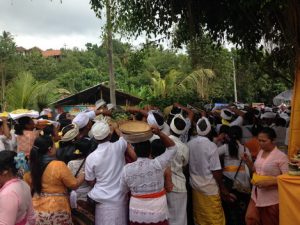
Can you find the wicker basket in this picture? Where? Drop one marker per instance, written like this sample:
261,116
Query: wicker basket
134,127
135,131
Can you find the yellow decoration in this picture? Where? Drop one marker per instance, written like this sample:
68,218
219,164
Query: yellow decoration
77,152
20,111
4,114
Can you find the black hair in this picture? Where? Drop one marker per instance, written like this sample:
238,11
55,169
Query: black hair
40,148
1,123
255,129
179,123
84,146
175,110
224,129
249,116
20,126
227,113
202,125
49,130
142,149
280,122
139,116
269,132
44,117
157,148
159,119
62,116
64,123
235,134
7,161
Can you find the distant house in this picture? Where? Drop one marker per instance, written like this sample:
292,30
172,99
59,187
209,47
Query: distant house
52,53
46,54
91,95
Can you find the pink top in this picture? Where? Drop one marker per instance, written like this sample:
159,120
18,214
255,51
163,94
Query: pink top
16,204
275,164
25,141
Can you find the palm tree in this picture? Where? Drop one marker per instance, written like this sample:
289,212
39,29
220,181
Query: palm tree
24,92
198,80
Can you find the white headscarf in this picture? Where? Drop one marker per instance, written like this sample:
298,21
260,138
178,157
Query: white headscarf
152,121
100,130
208,127
71,134
268,115
173,127
81,120
224,116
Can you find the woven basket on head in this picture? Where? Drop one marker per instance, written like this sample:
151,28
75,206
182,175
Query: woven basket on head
135,131
134,127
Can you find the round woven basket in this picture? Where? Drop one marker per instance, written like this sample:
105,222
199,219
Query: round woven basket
136,138
135,131
134,127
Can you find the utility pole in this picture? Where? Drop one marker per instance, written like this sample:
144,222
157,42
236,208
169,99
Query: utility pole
112,84
234,81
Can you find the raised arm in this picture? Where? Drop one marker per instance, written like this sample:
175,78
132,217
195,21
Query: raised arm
187,110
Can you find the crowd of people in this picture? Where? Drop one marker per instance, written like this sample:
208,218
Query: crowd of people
200,167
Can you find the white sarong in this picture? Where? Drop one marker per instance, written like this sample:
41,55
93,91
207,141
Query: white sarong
111,213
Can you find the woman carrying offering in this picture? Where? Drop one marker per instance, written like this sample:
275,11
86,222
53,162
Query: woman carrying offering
263,208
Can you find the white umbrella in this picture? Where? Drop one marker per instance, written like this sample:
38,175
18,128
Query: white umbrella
283,97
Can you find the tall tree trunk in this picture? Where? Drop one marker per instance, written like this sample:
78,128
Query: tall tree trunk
294,140
112,84
3,81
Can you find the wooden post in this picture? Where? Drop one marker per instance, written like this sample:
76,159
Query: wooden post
112,84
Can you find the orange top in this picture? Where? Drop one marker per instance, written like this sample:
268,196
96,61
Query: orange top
55,180
253,146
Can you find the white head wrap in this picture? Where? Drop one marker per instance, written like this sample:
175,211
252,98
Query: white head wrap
224,116
99,103
173,127
152,121
110,106
45,111
81,120
208,128
71,134
268,115
268,109
100,130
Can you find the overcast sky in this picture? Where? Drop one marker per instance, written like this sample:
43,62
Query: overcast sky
50,24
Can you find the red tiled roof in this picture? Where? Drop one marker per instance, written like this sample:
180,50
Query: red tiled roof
49,53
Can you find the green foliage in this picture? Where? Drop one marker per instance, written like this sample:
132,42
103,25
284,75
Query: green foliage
24,92
156,75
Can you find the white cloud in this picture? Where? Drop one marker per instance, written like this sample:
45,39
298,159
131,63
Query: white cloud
50,24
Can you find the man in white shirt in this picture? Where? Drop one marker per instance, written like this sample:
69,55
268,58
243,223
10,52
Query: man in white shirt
206,177
177,199
103,169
